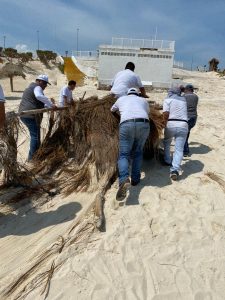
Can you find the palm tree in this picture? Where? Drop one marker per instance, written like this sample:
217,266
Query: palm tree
213,64
11,70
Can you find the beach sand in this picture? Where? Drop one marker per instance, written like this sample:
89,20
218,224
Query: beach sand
165,243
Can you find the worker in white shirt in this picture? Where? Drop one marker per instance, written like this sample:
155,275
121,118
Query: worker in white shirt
176,127
2,108
126,79
66,94
133,132
34,98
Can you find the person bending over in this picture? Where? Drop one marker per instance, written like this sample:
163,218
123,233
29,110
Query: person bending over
176,126
126,79
133,132
66,94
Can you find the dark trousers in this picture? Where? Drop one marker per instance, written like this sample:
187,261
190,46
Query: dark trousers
191,124
34,128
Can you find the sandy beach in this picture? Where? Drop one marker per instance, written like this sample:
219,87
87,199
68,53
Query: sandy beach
165,243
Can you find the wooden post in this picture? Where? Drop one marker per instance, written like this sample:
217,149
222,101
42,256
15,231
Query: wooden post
40,111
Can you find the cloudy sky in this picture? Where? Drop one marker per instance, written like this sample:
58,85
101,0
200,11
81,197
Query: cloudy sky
197,26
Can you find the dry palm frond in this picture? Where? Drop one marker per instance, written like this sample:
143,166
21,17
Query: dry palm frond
217,179
78,140
13,171
88,134
29,281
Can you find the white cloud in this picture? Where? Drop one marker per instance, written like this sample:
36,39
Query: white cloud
22,48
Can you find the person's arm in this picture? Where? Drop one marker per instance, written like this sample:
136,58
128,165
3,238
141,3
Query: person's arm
165,117
147,107
38,92
143,92
141,87
166,111
2,114
65,100
115,110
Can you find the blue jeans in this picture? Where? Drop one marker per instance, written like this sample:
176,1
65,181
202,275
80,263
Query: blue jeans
34,128
132,138
191,124
180,135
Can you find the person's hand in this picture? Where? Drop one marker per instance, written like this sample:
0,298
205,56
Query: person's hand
53,100
54,107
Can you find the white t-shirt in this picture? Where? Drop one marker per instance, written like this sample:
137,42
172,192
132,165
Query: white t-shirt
131,107
123,81
65,92
177,108
2,97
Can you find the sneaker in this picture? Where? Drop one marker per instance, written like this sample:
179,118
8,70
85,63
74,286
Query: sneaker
133,182
122,191
174,175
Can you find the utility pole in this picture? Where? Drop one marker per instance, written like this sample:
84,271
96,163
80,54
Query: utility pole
191,62
156,32
4,38
37,39
77,40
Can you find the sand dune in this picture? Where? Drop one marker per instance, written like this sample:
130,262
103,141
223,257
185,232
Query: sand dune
165,243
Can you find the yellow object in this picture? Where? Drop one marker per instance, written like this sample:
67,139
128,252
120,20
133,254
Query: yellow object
72,72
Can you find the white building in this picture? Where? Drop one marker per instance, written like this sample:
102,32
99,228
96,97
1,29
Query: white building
153,60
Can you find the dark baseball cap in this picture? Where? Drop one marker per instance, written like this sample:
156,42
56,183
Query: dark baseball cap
189,87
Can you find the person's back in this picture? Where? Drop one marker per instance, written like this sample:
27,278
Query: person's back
65,92
192,103
29,101
133,132
123,81
175,116
132,107
177,107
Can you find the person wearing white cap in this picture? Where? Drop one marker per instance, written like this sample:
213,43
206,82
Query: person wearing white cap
133,132
34,98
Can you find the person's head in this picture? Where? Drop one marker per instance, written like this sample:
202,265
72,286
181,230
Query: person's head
42,81
133,91
72,84
130,66
174,91
189,88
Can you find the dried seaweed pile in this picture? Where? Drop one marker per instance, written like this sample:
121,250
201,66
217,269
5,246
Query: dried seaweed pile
80,149
13,172
81,146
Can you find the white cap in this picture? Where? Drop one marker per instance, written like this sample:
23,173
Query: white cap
133,91
43,78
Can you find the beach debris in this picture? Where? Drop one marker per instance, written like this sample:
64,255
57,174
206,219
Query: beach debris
213,176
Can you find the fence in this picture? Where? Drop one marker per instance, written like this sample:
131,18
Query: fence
142,43
88,55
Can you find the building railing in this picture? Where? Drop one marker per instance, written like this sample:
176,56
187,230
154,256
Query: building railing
141,43
178,64
85,54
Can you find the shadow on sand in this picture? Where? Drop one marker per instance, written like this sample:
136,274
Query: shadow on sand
31,222
157,175
198,148
12,98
